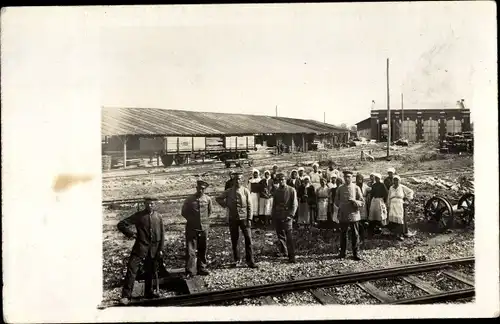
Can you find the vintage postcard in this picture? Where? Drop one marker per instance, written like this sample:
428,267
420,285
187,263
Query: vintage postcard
275,155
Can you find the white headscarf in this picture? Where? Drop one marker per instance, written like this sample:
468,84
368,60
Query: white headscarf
377,175
397,177
301,169
391,170
315,164
255,170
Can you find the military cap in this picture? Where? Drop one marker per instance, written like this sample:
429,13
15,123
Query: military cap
202,184
347,172
150,199
280,175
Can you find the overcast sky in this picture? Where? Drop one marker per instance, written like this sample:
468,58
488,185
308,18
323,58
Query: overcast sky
305,58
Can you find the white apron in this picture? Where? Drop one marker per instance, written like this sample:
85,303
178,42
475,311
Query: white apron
254,196
378,211
322,194
265,206
395,203
304,214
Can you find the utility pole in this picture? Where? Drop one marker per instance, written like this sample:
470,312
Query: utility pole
402,118
388,113
324,117
276,110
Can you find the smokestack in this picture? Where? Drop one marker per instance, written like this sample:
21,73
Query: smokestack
462,105
373,104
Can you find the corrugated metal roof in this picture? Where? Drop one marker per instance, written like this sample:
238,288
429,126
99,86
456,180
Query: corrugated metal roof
155,121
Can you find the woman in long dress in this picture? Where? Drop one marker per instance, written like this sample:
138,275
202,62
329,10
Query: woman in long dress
266,197
378,210
305,195
254,187
397,199
363,228
322,202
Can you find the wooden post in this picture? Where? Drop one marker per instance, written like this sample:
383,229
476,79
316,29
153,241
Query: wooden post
304,143
124,151
388,113
402,118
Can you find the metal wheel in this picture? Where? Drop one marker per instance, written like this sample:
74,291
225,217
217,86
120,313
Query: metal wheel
466,204
180,159
167,160
439,210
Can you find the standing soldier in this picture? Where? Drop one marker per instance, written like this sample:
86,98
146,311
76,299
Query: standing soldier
237,199
284,207
349,199
149,242
196,210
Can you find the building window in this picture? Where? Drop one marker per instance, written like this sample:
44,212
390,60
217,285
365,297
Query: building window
453,126
431,130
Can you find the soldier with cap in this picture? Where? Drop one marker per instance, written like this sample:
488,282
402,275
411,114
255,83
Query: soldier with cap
239,202
349,199
197,209
284,207
149,241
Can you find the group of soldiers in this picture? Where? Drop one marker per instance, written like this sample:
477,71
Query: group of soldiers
305,199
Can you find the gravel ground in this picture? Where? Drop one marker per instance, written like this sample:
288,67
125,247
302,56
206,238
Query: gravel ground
442,282
398,288
315,248
350,294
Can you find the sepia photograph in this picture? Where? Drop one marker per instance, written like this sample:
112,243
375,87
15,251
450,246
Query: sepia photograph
314,162
292,161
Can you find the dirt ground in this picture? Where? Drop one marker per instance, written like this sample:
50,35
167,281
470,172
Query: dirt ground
315,247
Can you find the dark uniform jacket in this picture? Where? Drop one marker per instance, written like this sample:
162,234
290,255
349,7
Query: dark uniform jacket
229,184
149,235
285,203
307,195
297,184
388,182
197,210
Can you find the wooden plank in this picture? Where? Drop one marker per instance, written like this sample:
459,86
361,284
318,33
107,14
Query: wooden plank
462,277
425,286
195,284
269,300
323,297
375,292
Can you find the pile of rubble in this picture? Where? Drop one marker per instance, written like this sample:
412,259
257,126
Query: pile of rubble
461,185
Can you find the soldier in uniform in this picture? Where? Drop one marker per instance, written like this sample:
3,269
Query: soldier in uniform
238,200
197,209
149,242
349,199
284,207
229,183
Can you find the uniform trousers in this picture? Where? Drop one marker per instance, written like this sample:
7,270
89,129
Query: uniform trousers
134,262
234,228
353,228
285,237
196,251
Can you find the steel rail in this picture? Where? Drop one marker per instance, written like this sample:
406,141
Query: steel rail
211,297
215,193
436,298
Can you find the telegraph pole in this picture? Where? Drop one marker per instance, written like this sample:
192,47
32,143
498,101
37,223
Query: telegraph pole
276,110
388,113
402,117
324,117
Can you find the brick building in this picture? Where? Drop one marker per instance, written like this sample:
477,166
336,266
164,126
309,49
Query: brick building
416,124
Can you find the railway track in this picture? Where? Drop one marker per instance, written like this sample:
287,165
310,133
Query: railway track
215,193
317,287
